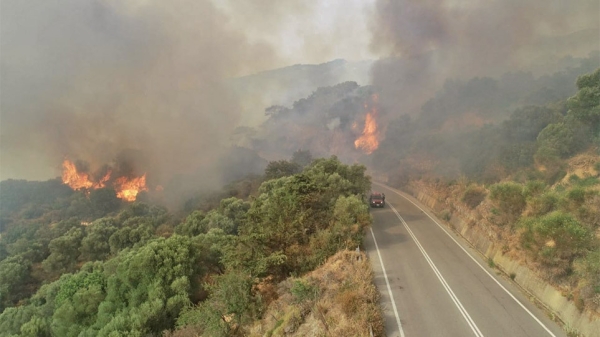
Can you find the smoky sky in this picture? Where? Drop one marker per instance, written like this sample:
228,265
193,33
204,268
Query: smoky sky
90,80
425,42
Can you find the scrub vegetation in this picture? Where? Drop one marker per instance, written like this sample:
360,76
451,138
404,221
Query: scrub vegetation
533,177
90,265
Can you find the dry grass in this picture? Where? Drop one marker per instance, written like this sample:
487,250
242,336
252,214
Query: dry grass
346,304
582,165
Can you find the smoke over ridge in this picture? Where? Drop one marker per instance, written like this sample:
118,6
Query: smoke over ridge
428,41
91,79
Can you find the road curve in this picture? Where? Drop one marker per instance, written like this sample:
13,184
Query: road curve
433,284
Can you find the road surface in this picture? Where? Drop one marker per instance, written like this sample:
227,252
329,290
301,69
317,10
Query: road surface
439,286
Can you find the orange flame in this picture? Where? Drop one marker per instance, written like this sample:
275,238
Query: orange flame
102,182
128,189
369,139
80,180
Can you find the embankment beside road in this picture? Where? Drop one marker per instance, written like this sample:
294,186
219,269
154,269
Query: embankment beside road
585,322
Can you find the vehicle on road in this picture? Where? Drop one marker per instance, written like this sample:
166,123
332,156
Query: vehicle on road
377,199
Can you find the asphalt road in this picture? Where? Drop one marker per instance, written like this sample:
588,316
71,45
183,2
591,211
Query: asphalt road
433,284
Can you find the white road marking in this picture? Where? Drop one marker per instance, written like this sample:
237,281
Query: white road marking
453,296
387,282
474,260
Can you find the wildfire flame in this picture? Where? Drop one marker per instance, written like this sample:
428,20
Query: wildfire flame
80,180
126,188
369,139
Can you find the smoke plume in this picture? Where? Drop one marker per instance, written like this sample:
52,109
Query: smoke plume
98,80
428,41
119,81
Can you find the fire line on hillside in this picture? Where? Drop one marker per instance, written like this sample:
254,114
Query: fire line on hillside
127,188
369,139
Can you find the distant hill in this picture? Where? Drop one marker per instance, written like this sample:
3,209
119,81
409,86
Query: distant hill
550,54
283,86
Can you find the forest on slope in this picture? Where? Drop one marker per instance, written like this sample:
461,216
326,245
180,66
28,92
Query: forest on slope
509,148
73,264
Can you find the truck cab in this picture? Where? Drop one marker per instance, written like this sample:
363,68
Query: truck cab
377,199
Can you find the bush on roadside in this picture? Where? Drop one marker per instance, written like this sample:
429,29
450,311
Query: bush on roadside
534,188
510,199
589,270
544,203
556,239
473,196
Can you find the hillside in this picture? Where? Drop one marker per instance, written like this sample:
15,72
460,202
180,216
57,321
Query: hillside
518,156
531,187
336,299
286,85
86,263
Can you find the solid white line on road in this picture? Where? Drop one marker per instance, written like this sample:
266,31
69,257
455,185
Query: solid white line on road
445,284
474,260
388,285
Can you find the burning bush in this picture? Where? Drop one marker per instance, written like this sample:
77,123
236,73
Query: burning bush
127,188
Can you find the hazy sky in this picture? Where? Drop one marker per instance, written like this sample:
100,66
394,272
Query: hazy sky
305,31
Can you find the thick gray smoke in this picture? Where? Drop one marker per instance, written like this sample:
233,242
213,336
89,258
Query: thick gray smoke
95,80
428,41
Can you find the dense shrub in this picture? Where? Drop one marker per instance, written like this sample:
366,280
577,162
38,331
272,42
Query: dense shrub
510,199
589,270
574,198
585,105
303,291
562,139
556,239
544,203
534,188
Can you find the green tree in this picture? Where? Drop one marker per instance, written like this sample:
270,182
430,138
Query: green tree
281,168
64,252
77,301
134,231
12,320
193,225
562,139
229,305
585,105
104,201
214,219
14,272
96,246
289,212
149,286
526,123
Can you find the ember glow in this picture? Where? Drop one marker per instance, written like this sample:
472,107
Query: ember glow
127,188
369,139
